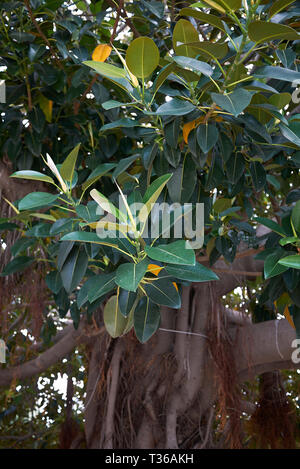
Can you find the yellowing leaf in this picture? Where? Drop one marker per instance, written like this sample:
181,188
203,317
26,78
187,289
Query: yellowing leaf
154,269
101,52
46,106
289,317
188,127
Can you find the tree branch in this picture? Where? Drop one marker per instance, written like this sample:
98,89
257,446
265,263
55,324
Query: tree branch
262,347
46,359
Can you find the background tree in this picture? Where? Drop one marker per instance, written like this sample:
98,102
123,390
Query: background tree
159,101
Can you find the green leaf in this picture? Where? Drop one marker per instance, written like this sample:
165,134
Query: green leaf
272,267
97,173
146,319
54,282
296,216
289,240
142,57
192,273
21,245
163,292
68,166
203,17
207,136
178,252
184,32
263,31
271,224
235,167
36,199
105,69
194,65
74,268
289,134
114,321
258,175
277,73
280,100
291,262
123,164
86,237
175,107
209,49
224,5
151,196
182,184
106,283
129,275
18,264
278,6
34,175
107,206
235,102
126,301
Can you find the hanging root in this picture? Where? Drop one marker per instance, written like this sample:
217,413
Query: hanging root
273,424
220,345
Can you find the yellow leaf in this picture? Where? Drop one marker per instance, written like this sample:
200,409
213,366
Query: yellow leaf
46,106
187,128
289,317
101,53
154,269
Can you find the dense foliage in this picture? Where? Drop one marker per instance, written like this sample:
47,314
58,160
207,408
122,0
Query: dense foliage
162,102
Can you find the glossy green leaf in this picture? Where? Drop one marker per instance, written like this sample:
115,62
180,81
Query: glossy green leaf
235,167
115,323
296,216
151,196
207,136
97,173
272,267
194,65
258,175
67,168
192,273
184,32
290,262
37,199
53,281
278,6
271,224
178,252
146,319
18,264
142,57
107,206
182,184
105,283
203,17
209,49
74,269
34,175
175,107
163,292
263,31
119,243
124,164
234,102
129,275
105,69
289,135
277,73
127,300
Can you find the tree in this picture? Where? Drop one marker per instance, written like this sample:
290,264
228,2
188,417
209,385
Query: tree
179,340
